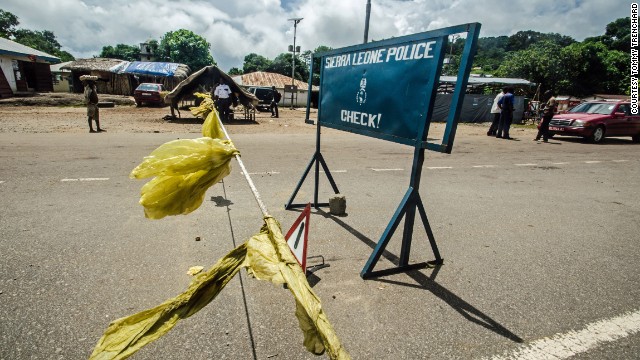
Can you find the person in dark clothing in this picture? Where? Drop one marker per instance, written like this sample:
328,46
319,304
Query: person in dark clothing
275,99
506,104
547,114
91,99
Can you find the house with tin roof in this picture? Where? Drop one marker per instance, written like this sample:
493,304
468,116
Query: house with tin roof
293,92
23,69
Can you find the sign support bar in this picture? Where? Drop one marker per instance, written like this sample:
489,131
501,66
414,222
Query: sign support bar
318,160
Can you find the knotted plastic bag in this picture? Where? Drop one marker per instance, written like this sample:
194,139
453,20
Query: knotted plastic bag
184,169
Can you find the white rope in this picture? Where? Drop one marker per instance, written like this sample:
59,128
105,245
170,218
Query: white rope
254,190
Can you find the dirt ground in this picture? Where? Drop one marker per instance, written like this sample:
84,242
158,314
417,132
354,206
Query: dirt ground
65,113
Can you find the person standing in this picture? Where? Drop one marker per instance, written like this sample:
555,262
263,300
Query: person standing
275,99
548,111
222,98
495,111
506,105
91,99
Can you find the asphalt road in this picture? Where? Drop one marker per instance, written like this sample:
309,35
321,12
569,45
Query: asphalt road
537,240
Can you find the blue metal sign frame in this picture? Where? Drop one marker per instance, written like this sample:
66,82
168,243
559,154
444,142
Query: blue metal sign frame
410,120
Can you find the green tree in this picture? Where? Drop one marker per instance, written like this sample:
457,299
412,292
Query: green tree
491,53
617,35
316,62
8,22
42,40
235,71
121,51
185,47
254,62
540,63
522,40
282,65
592,68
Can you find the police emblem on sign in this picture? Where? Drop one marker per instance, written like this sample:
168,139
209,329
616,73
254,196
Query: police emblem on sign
361,96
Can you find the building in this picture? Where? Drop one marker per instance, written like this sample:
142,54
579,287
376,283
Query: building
283,84
120,77
147,51
24,70
61,77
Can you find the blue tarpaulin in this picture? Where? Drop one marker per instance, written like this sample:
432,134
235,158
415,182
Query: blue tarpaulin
152,68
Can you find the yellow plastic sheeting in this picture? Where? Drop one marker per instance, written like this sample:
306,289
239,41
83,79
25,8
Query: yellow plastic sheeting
127,335
206,104
267,257
184,170
211,126
185,156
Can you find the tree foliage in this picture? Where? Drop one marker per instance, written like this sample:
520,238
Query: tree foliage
8,22
617,35
254,62
121,51
42,40
282,65
186,47
235,71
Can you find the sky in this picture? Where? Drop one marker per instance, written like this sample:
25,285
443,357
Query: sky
236,28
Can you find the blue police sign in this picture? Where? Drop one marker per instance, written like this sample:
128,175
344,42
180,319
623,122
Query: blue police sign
386,89
380,89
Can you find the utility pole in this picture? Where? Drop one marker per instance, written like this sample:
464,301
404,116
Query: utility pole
293,57
366,22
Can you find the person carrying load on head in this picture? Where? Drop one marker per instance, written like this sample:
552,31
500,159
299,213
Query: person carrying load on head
91,99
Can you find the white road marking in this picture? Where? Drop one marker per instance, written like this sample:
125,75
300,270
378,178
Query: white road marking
619,160
335,171
564,346
484,166
86,179
264,173
387,169
439,167
592,162
1,181
525,164
560,163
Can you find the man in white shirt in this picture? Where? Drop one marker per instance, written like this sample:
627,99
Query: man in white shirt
495,110
222,99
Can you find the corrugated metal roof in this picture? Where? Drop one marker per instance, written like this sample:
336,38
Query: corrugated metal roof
263,78
8,47
487,80
57,67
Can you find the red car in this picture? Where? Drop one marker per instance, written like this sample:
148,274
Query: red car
149,93
595,120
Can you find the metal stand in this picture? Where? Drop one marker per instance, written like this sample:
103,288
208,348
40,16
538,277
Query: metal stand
406,209
314,268
318,160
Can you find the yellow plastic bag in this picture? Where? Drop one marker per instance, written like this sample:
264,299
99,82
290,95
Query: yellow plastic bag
267,257
207,110
184,170
277,264
127,335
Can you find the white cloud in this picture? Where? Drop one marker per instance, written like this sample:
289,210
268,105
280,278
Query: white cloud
237,28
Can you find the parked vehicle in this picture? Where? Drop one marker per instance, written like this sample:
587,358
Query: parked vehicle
595,120
149,93
263,94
